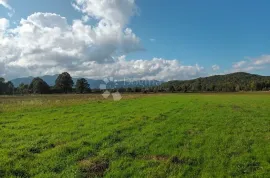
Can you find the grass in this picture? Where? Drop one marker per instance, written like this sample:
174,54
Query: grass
166,135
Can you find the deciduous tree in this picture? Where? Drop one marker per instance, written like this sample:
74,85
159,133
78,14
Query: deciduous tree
64,82
39,86
82,85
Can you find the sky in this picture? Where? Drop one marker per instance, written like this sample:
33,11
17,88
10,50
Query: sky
139,39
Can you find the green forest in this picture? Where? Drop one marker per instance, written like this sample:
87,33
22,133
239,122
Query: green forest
234,82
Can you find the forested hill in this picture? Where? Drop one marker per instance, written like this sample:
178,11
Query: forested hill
239,81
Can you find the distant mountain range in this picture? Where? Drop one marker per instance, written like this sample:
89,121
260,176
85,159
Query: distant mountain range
94,84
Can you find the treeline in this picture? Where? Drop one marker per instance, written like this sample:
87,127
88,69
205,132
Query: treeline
6,87
220,83
235,82
63,84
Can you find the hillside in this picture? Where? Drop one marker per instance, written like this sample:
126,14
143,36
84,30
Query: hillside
231,82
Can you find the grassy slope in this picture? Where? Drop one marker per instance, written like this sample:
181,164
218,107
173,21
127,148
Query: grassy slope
155,136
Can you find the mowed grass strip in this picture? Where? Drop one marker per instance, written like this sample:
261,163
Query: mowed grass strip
167,135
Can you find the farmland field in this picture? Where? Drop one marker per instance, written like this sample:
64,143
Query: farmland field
161,135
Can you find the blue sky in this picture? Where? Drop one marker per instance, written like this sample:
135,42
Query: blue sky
209,31
204,33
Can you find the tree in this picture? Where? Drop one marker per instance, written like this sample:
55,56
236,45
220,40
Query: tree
197,85
23,88
129,90
137,89
155,89
253,85
64,82
9,88
145,90
2,85
39,86
121,90
82,85
2,80
237,88
6,88
171,88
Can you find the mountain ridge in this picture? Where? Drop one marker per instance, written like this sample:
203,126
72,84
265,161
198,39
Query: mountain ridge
239,81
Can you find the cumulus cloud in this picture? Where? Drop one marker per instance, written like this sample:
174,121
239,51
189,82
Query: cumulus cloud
215,67
113,11
46,44
154,69
4,24
252,64
46,39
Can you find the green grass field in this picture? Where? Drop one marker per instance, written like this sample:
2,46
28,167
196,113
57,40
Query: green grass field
163,135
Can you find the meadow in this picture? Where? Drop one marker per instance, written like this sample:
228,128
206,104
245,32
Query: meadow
155,135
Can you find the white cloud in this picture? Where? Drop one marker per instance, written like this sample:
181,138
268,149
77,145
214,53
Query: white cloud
85,18
7,6
46,39
45,43
152,39
262,60
215,67
4,24
154,69
239,64
48,42
251,64
113,11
